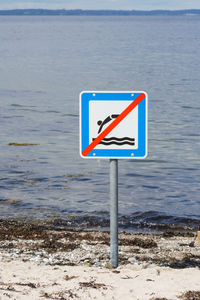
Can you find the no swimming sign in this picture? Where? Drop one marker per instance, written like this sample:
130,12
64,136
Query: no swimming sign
113,124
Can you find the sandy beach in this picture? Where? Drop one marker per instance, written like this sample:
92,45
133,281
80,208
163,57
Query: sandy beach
40,262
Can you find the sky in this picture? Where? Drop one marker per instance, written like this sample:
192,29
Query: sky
101,4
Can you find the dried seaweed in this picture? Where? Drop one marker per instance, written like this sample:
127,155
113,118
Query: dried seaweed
22,144
67,277
60,295
158,298
93,284
190,295
143,243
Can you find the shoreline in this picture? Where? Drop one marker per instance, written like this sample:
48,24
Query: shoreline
37,261
145,223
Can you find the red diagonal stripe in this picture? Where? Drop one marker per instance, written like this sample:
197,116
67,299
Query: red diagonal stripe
114,123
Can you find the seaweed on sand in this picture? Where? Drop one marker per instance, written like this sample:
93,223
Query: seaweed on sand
157,298
60,295
190,295
13,229
93,284
143,243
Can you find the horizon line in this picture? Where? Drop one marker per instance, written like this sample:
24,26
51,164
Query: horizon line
97,12
102,9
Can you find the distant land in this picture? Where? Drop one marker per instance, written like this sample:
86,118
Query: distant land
80,12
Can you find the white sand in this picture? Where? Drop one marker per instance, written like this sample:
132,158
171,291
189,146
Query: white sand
30,280
37,264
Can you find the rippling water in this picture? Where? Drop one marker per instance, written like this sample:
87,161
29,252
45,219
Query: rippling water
45,62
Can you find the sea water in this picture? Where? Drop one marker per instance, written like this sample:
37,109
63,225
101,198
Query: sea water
45,62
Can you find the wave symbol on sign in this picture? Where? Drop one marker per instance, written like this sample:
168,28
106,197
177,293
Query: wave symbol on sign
117,141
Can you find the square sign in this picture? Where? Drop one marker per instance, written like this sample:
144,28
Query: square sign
113,124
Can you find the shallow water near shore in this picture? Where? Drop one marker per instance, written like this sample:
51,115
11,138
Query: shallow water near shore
45,63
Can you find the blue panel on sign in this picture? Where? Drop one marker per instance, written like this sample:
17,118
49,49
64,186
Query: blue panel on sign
113,124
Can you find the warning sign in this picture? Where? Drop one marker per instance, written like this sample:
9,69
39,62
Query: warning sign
113,124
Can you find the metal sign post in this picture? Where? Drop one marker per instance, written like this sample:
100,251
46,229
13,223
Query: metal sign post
114,213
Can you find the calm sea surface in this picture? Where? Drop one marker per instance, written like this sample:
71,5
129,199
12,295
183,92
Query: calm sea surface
45,62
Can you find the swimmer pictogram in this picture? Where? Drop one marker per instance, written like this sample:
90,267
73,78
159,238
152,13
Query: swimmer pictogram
113,140
105,121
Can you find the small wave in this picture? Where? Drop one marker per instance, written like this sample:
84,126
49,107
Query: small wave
150,221
117,141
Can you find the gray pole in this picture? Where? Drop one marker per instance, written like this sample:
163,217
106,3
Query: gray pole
114,213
